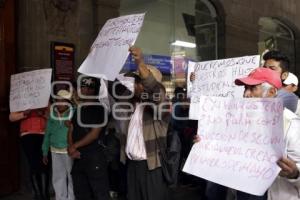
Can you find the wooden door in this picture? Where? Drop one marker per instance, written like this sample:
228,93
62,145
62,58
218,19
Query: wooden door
9,148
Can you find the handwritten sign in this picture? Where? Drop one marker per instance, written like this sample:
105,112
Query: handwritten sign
30,90
241,140
216,78
110,50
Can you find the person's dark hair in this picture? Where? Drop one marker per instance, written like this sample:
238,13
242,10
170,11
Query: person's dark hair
97,86
92,83
179,90
279,57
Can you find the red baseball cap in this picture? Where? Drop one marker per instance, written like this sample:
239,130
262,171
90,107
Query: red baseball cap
261,75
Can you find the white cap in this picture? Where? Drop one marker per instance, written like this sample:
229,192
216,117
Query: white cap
291,79
64,94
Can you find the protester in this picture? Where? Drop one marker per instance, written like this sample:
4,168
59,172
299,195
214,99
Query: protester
89,172
32,129
279,62
75,98
56,140
141,132
291,85
185,128
264,83
115,168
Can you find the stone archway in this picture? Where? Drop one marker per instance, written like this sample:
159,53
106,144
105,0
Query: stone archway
209,28
275,34
281,34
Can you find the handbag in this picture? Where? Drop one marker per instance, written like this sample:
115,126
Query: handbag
169,155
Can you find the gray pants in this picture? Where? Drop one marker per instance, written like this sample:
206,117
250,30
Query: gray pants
61,176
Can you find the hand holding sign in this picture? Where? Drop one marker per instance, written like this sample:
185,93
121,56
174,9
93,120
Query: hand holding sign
137,55
288,168
216,77
30,90
241,142
192,77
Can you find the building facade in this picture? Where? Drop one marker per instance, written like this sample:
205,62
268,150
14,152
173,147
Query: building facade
219,28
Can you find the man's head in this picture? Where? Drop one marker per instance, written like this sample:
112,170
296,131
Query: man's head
291,83
138,86
89,86
277,61
261,82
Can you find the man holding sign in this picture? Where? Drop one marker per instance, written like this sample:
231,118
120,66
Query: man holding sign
287,185
263,83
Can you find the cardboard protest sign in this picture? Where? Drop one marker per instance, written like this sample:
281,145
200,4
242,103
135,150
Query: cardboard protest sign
30,90
216,78
110,50
241,141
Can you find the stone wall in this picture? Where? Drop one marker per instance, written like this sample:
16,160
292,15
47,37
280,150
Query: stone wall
71,21
241,24
78,21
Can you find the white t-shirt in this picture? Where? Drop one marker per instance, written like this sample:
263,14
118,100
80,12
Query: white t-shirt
135,145
283,188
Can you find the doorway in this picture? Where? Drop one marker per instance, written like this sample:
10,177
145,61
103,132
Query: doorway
9,148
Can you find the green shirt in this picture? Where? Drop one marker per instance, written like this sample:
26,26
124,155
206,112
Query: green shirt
56,132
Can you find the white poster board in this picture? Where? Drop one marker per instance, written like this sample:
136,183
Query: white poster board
216,78
110,50
30,90
241,141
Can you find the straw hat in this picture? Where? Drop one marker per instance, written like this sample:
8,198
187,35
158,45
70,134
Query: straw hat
155,72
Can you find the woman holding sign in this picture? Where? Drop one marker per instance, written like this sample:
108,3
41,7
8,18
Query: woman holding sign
32,129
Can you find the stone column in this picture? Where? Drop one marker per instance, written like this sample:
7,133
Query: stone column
104,11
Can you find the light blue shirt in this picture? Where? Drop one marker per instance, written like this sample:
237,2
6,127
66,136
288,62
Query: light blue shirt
290,100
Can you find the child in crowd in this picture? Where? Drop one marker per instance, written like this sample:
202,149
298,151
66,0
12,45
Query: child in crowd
55,140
